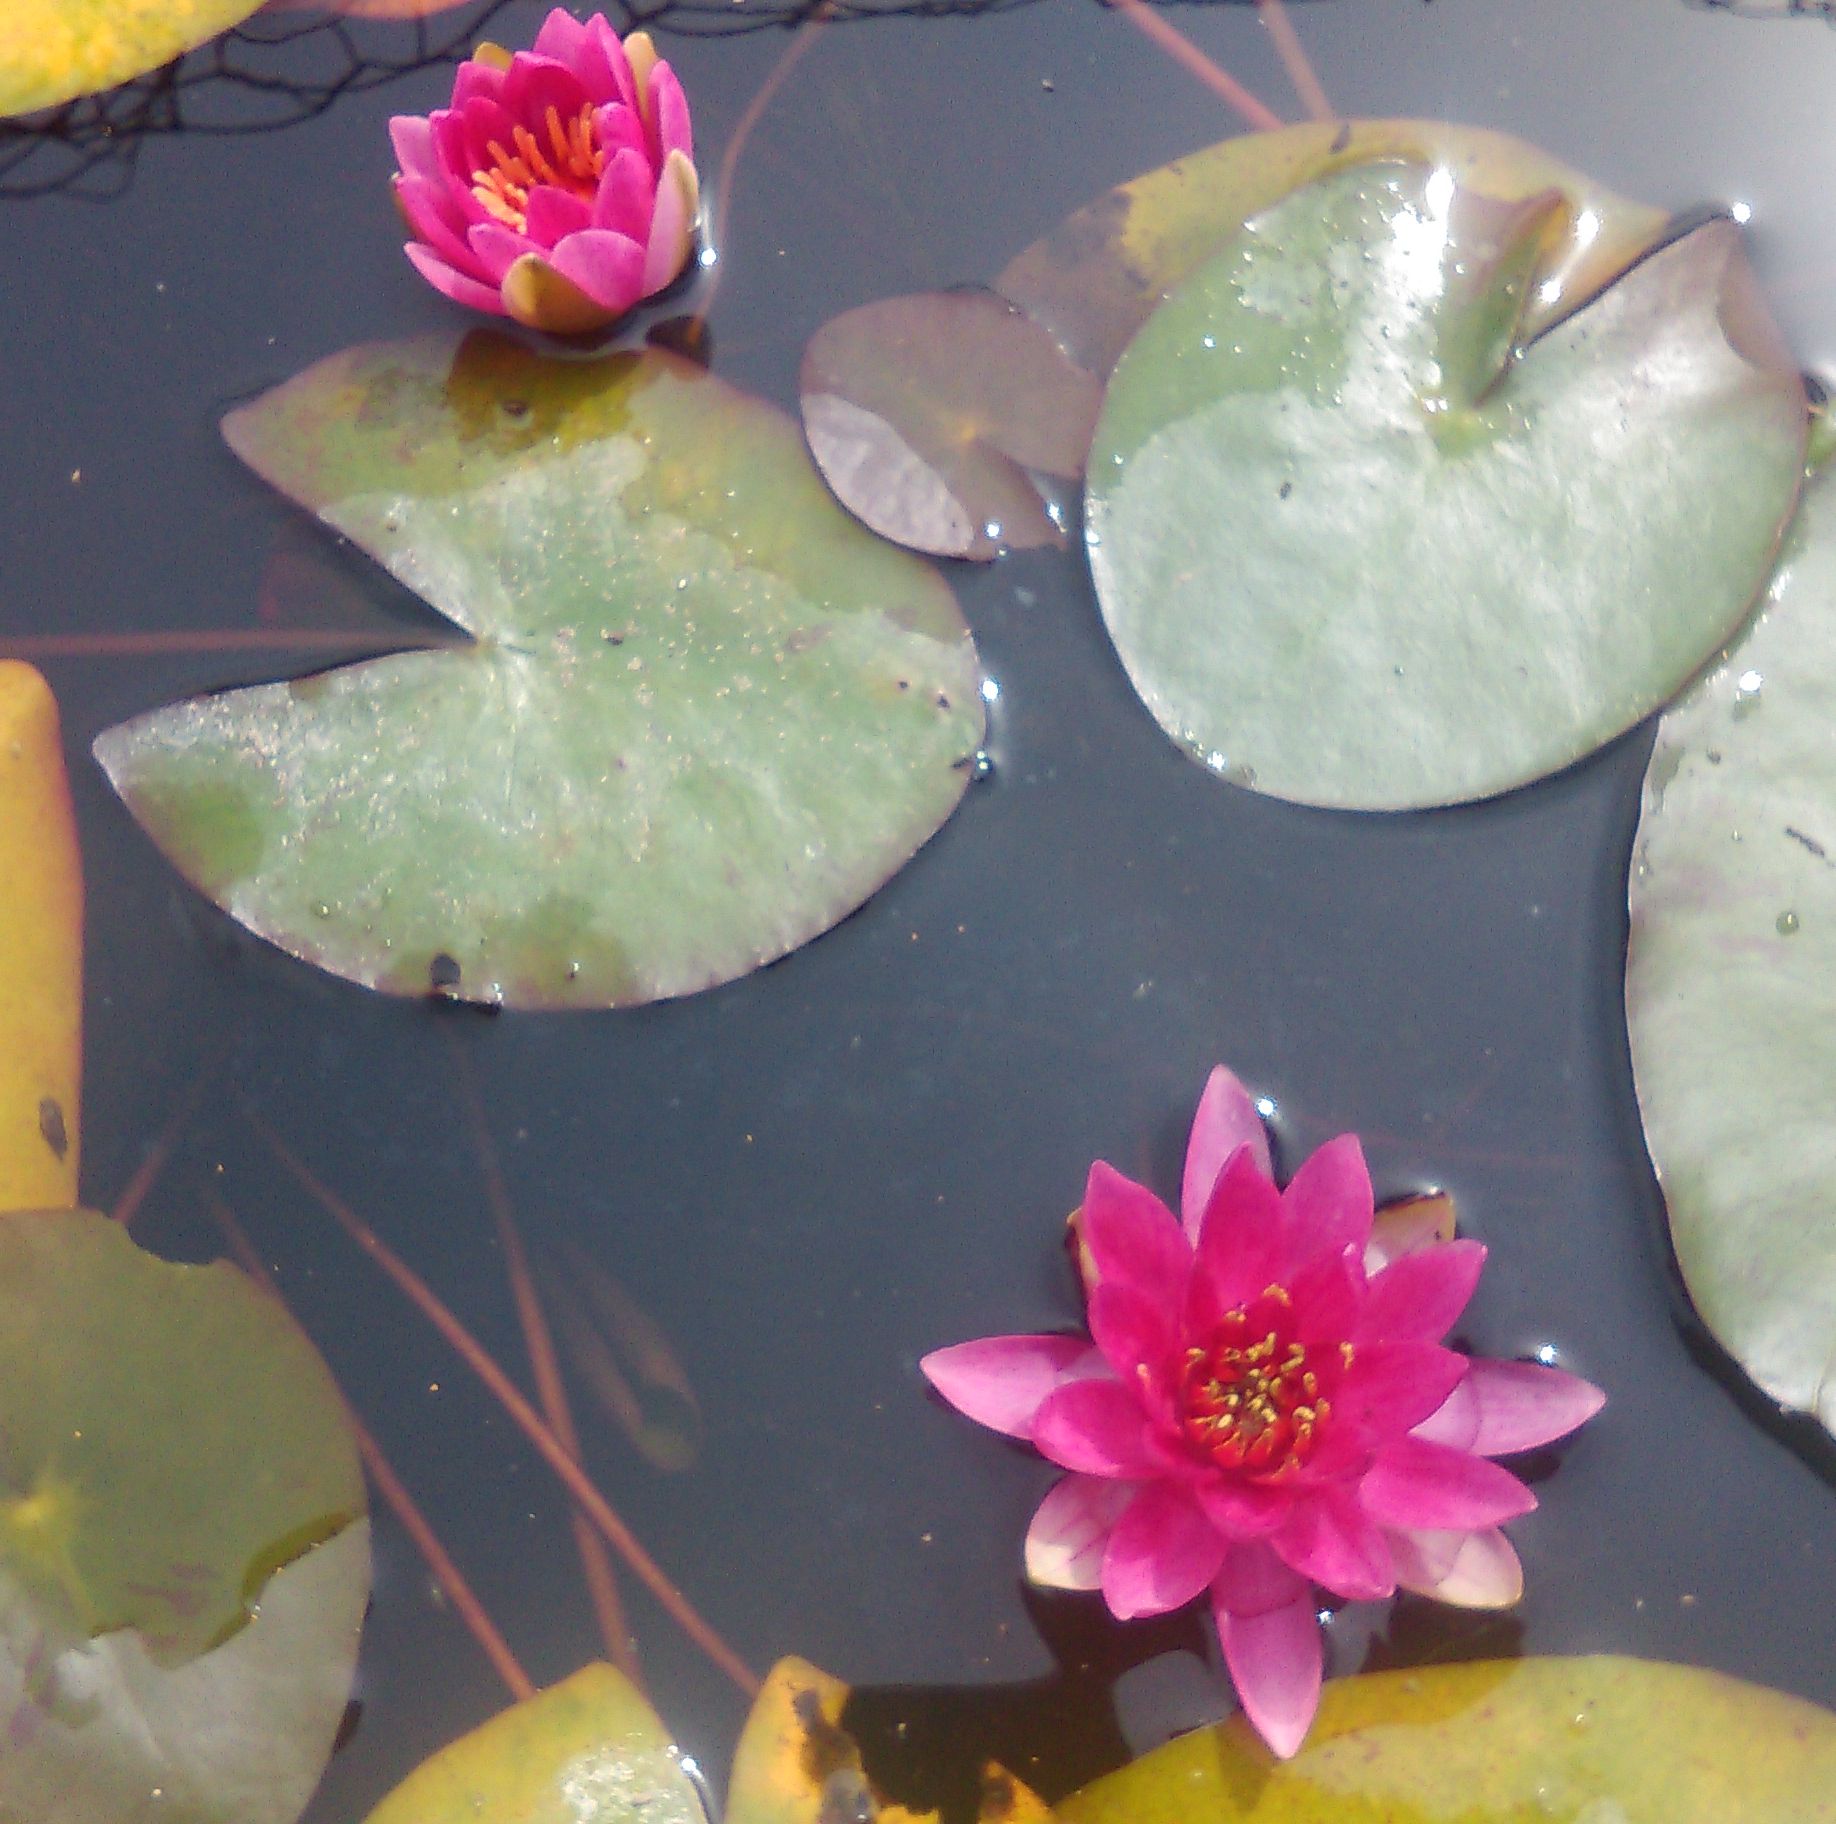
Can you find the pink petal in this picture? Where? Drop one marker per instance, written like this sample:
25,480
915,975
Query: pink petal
1420,1297
604,67
1273,1649
619,129
1135,1333
1502,1407
1390,1388
672,227
477,78
1162,1553
1330,1540
1097,1427
562,37
480,125
1328,1297
607,267
1414,1484
1478,1570
451,284
1244,1510
415,156
1239,1242
1132,1236
495,249
1226,1119
536,84
999,1381
1328,1203
423,204
1065,1543
627,195
554,214
669,112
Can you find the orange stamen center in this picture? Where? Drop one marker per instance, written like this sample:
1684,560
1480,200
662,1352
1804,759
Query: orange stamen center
571,159
1254,1398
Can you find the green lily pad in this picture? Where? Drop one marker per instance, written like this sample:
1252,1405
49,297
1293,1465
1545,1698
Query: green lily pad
925,414
1359,545
55,50
705,714
1097,277
1560,1741
1731,978
589,1750
168,1438
101,1733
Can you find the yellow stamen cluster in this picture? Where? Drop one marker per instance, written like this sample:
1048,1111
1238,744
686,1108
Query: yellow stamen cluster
572,160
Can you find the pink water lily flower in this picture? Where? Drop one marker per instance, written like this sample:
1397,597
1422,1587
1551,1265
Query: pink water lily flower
1267,1407
560,187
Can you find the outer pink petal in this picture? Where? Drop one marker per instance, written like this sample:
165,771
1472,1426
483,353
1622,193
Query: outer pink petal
554,214
495,249
1415,1484
999,1381
1239,1244
412,136
1226,1119
562,37
1330,1540
1065,1543
1506,1406
477,78
1097,1427
422,204
1390,1388
455,285
604,66
1420,1297
1328,1203
1244,1510
627,195
1134,1332
672,226
607,267
1162,1553
1132,1237
669,110
1272,1648
1478,1570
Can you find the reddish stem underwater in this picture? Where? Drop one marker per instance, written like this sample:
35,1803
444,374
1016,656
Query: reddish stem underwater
446,1574
1294,59
528,1420
1146,20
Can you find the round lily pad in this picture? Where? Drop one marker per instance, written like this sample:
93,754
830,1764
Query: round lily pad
1359,544
1575,1741
1731,978
703,716
55,50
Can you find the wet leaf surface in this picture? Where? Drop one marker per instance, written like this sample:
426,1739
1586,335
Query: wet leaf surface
1731,974
1571,1741
1097,277
103,1734
589,1750
925,414
705,716
1351,551
41,951
55,50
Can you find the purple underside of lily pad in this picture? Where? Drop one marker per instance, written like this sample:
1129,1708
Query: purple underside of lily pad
704,715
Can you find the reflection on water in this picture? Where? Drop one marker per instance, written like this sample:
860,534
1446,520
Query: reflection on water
808,1178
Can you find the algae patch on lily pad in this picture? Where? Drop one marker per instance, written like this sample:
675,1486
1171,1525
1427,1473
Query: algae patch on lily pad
1570,1741
1731,978
56,50
1359,543
703,715
183,1558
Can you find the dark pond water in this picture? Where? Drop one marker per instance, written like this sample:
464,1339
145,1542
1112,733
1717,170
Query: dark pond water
812,1176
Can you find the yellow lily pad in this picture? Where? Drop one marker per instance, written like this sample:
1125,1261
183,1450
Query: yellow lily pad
589,1750
1563,1741
56,50
41,951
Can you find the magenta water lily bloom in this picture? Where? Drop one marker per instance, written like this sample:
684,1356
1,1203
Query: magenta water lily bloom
1266,1407
560,186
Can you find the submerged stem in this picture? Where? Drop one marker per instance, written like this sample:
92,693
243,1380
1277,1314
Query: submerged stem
446,1574
1294,59
528,1420
1146,20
